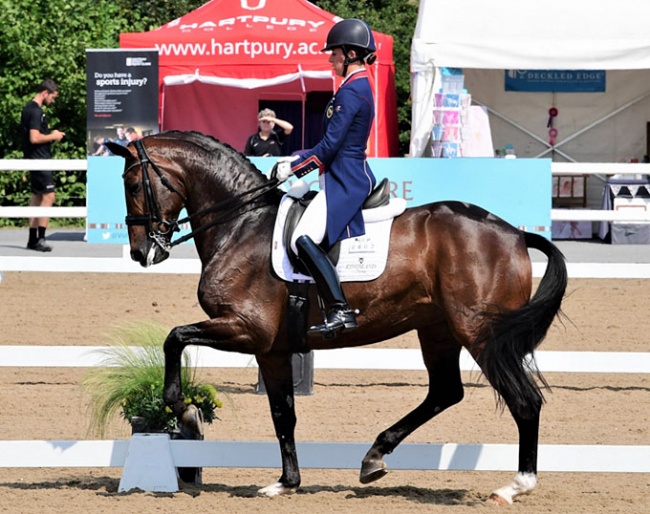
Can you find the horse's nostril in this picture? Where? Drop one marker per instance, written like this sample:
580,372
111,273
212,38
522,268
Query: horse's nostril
137,255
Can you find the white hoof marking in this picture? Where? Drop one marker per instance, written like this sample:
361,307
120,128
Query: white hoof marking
275,490
523,483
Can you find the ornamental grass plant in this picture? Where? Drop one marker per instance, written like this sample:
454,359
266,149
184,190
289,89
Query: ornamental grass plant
129,381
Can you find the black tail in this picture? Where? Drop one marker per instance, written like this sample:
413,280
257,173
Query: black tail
513,336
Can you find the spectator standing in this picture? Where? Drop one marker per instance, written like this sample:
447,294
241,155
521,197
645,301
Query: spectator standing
267,142
37,140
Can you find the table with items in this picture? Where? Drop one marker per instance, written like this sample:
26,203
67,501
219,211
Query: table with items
626,193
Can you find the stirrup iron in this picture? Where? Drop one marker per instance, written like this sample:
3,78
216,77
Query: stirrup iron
340,318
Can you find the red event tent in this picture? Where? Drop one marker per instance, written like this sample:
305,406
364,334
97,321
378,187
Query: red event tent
223,61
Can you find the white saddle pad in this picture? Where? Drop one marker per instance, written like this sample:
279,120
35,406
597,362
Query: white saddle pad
361,258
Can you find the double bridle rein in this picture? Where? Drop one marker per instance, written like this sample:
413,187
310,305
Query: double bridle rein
161,235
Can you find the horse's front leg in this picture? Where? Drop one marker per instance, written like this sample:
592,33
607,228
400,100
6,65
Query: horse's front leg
173,348
278,379
223,333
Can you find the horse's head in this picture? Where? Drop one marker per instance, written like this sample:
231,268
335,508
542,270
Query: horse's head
154,197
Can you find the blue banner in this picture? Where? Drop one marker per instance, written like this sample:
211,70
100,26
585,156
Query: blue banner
517,190
555,81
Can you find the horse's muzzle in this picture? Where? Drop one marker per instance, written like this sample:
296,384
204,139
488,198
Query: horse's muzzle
152,255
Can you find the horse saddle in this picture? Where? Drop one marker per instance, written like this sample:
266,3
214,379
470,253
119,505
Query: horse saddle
360,258
379,197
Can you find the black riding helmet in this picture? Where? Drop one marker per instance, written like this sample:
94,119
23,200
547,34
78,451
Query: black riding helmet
352,34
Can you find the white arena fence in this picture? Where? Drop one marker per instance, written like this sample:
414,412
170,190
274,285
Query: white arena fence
600,170
149,461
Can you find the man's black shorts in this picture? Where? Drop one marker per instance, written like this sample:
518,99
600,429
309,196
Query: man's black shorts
42,182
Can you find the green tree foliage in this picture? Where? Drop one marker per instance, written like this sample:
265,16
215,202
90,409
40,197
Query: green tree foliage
48,39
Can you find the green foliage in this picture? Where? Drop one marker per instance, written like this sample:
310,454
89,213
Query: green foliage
48,39
130,381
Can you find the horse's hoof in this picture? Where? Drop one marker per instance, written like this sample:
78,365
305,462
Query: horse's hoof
372,471
497,500
276,489
191,423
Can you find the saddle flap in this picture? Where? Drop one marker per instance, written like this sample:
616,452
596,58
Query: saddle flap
294,215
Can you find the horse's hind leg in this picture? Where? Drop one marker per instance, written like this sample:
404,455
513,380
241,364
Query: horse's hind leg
526,478
445,390
525,409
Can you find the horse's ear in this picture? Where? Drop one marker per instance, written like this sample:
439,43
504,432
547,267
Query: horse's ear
120,150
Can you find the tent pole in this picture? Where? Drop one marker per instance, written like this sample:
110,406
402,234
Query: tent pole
595,123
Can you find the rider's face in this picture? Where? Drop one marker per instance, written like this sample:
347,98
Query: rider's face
337,59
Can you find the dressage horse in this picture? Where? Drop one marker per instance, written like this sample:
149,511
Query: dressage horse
457,274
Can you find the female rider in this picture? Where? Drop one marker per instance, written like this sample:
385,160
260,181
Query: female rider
345,178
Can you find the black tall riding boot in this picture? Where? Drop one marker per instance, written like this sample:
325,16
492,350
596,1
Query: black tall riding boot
340,316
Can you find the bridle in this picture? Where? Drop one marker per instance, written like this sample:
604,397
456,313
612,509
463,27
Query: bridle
161,235
153,214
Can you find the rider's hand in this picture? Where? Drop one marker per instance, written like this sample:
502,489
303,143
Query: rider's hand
282,169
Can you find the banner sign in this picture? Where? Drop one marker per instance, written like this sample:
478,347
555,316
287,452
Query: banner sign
122,96
555,81
516,190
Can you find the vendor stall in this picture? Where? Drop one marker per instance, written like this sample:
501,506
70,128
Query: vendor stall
489,40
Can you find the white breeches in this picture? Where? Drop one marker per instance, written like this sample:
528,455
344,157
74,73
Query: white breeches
313,222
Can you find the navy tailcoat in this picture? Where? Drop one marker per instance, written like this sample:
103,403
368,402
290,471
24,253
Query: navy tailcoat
341,157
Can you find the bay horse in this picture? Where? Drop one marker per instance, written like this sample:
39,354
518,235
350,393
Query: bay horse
458,275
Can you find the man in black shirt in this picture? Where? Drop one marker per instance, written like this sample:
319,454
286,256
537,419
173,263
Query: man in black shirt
37,138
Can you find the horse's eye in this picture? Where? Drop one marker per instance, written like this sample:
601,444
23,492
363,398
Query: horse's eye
135,188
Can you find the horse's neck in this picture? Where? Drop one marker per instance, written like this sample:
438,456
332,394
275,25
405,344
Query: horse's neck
233,224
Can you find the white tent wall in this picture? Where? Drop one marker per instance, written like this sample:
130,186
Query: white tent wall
486,38
604,136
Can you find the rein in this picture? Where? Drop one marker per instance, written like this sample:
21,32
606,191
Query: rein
159,236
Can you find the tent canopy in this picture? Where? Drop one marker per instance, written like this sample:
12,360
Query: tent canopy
510,34
221,62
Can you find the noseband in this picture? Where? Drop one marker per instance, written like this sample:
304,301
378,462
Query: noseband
153,214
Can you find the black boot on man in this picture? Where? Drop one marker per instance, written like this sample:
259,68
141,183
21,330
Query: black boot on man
37,240
340,316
